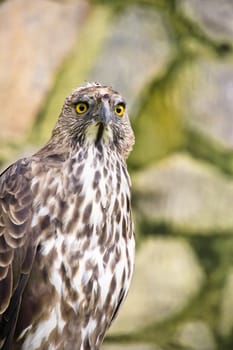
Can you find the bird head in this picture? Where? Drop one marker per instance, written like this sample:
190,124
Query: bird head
96,115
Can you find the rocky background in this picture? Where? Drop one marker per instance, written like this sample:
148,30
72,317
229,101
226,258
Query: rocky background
173,61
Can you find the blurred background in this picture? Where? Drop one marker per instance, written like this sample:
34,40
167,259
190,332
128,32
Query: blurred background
173,61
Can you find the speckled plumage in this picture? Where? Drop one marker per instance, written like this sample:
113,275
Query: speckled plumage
66,232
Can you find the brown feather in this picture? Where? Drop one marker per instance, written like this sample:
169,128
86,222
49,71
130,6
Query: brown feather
66,232
5,289
15,220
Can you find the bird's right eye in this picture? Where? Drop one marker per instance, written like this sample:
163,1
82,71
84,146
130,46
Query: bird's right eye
81,107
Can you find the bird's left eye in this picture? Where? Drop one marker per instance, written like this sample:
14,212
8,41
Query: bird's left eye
81,107
119,109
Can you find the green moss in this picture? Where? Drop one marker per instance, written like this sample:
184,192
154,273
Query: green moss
156,3
74,71
201,146
158,125
157,131
6,151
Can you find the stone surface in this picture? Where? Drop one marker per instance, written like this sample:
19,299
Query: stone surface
196,335
226,316
214,19
34,42
210,113
185,194
138,47
76,69
158,128
173,62
167,275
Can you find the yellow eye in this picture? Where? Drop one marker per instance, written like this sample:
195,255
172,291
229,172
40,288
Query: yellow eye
81,107
119,109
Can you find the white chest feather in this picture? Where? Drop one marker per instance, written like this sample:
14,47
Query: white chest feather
93,245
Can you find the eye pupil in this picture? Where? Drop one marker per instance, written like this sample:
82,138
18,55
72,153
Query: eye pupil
81,107
119,110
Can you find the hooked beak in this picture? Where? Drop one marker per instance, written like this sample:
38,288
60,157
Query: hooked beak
105,113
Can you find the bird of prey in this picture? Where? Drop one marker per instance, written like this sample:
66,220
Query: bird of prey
66,231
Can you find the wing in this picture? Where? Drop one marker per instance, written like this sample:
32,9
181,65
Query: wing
16,244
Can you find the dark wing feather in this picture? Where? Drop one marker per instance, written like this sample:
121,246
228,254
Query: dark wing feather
16,243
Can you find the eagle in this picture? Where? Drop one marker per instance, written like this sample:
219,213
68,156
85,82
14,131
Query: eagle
66,231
